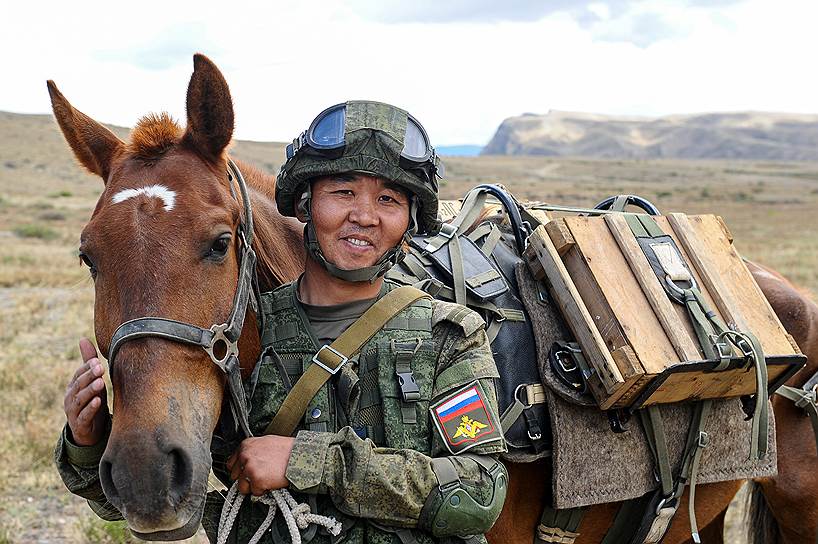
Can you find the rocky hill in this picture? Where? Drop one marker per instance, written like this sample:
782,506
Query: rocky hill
742,135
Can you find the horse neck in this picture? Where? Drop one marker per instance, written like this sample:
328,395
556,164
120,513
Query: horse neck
798,314
277,239
279,252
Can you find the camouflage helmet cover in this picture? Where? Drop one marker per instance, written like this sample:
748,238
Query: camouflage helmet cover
373,140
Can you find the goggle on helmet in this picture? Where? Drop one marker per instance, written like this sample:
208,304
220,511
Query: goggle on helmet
327,135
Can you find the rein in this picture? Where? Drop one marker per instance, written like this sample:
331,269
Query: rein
219,338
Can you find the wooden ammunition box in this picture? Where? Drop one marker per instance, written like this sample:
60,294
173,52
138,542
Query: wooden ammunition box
641,345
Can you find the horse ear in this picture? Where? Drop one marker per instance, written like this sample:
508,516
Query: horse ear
209,110
93,144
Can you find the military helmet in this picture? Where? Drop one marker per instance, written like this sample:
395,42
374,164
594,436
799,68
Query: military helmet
367,137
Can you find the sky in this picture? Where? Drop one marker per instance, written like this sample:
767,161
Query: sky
459,66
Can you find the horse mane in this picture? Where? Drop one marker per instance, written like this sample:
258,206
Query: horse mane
277,239
153,136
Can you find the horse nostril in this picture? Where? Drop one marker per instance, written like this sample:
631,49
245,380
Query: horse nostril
107,481
181,474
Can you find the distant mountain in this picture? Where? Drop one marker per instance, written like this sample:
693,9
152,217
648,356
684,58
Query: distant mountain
459,150
742,135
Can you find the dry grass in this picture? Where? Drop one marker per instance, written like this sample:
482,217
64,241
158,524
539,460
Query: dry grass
46,297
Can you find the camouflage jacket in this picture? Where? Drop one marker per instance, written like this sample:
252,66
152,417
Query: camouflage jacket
375,485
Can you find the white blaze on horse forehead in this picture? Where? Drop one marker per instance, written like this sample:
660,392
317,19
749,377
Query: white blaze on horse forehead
159,191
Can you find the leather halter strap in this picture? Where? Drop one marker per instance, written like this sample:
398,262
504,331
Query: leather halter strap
219,337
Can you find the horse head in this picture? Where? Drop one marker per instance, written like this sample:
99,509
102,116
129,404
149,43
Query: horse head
163,241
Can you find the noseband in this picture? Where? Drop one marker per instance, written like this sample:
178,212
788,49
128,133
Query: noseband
220,341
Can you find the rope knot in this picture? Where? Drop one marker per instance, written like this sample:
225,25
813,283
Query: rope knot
296,516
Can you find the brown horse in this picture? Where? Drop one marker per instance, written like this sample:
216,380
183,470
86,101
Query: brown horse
162,242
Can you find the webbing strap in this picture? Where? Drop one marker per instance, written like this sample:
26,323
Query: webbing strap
672,489
655,434
445,472
493,330
643,226
807,401
697,440
412,262
491,241
481,230
471,209
330,359
458,276
559,526
512,413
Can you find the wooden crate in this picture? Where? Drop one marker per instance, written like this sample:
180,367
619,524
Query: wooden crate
641,344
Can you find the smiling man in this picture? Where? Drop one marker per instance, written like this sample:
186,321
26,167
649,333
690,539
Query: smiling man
378,446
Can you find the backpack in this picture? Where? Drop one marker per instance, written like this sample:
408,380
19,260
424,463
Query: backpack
475,267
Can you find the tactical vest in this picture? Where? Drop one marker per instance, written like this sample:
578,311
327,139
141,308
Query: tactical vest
368,392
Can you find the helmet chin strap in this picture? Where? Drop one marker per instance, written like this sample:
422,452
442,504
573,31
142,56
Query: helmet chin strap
369,273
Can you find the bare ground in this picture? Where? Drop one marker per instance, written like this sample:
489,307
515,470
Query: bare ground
46,297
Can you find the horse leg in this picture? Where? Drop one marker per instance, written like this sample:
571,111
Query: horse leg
791,495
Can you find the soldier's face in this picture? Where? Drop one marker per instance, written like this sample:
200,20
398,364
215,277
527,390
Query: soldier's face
358,218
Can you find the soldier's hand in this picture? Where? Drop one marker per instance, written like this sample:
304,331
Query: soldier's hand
260,463
86,401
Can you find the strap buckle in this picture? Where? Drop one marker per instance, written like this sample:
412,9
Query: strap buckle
406,379
535,393
745,347
447,230
667,502
341,357
220,339
724,350
408,386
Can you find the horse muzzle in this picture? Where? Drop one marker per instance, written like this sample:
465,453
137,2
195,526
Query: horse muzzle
158,485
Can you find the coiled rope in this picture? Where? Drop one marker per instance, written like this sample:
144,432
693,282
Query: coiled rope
297,516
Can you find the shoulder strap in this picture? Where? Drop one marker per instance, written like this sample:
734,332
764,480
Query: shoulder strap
331,358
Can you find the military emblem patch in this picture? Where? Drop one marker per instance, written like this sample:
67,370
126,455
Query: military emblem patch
463,419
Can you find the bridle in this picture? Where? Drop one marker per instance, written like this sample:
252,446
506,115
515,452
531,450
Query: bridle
219,337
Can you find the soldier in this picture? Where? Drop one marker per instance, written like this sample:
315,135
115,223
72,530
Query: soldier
401,443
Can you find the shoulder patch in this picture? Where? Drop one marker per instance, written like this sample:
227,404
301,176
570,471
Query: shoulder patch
468,320
463,419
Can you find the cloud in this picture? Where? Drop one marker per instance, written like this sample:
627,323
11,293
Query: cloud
457,11
639,22
167,48
639,29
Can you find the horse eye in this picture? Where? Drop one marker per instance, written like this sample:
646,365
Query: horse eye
86,260
220,245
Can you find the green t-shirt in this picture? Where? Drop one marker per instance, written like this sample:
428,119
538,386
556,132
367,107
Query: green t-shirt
329,322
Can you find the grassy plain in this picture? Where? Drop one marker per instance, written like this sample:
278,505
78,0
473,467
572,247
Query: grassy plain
46,297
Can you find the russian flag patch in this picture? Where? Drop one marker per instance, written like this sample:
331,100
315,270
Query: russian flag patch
463,419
